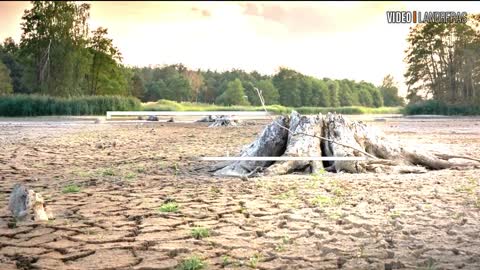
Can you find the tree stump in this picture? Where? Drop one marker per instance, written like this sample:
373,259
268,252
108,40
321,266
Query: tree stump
333,135
152,118
223,121
206,119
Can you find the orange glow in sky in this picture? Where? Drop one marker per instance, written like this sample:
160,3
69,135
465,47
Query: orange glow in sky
323,39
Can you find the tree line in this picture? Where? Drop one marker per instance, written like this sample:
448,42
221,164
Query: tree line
237,87
58,55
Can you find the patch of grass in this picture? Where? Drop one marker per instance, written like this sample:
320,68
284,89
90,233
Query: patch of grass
470,189
226,260
168,105
339,192
349,110
176,169
91,232
141,169
39,105
254,260
315,181
71,189
286,240
169,207
290,194
200,232
280,247
192,263
429,265
321,200
130,175
441,108
395,214
108,172
215,190
82,173
336,215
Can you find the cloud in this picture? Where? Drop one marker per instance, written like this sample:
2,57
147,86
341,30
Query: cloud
316,17
203,12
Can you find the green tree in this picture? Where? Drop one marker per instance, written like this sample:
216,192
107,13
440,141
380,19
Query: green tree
154,91
9,56
138,87
234,95
305,88
105,76
365,98
5,80
288,84
178,88
377,99
269,92
345,95
333,93
53,46
443,61
195,80
320,95
389,92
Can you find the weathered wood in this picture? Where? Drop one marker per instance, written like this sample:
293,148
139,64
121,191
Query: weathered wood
334,136
299,145
271,142
38,207
223,121
207,119
338,129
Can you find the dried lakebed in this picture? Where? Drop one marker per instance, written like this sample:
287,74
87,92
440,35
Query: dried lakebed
132,196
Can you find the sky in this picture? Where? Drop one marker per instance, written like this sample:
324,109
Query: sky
338,40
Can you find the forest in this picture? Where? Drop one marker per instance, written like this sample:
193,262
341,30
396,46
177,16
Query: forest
58,55
443,75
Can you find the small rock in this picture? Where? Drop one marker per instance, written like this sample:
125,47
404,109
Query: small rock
152,118
20,201
140,117
259,233
171,120
450,232
12,224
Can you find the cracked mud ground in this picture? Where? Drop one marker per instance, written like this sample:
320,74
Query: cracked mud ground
124,173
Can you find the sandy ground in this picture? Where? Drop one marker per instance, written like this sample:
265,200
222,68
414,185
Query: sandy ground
126,171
